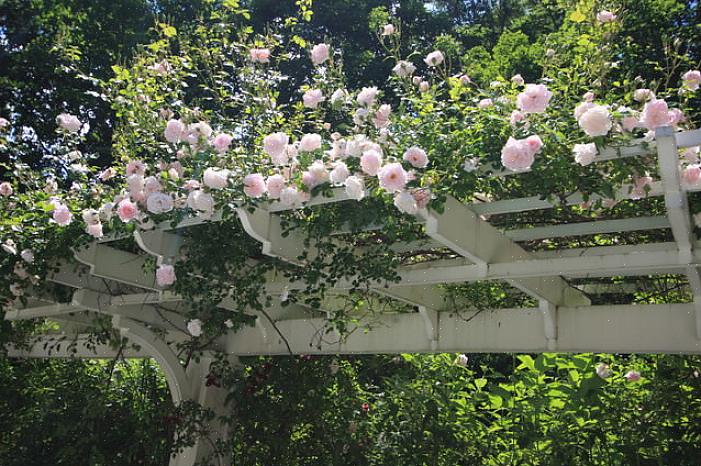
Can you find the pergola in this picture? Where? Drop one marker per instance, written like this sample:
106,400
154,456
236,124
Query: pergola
564,319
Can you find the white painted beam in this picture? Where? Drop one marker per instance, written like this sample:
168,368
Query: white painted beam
588,228
117,265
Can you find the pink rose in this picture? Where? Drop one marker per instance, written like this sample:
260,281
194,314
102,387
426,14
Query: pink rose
655,114
320,53
596,121
221,142
254,185
516,117
370,162
367,96
691,175
392,177
534,99
605,16
534,143
310,142
387,30
68,122
639,187
290,196
195,327
275,146
152,185
312,98
603,370
159,203
424,86
62,215
94,230
404,69
584,154
642,95
416,157
485,103
5,189
630,123
675,116
517,79
165,275
126,210
422,198
588,96
434,58
175,131
355,187
260,55
274,185
215,178
580,109
318,171
339,173
692,79
382,116
519,154
632,376
200,201
405,202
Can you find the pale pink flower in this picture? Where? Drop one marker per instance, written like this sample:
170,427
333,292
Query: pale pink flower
260,55
310,142
152,185
639,187
691,174
165,275
588,96
517,79
691,154
461,360
676,116
584,154
5,189
136,184
465,80
534,99
387,29
221,142
405,202
318,171
27,255
370,162
215,178
517,155
91,217
367,96
107,174
9,247
339,173
692,79
127,210
382,116
254,185
422,197
629,123
312,98
434,58
596,121
158,203
534,143
404,69
485,103
655,114
62,215
355,187
195,327
175,131
605,16
200,201
94,230
290,196
189,185
274,185
580,109
632,376
198,131
643,95
424,86
392,177
416,157
320,53
275,146
68,122
516,117
603,370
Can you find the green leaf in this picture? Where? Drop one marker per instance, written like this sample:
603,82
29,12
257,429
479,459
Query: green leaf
577,17
526,362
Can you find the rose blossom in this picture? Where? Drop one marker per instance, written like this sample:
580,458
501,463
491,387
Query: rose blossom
416,157
485,103
152,185
596,121
603,370
642,95
27,255
632,376
94,230
215,178
584,154
691,154
290,196
320,53
387,29
254,185
62,215
5,189
310,142
126,210
91,217
517,80
691,174
382,116
588,96
534,99
639,184
174,131
165,275
195,327
580,109
517,154
675,116
260,55
274,185
434,58
605,16
339,173
461,360
424,86
158,203
221,142
9,247
655,114
629,123
355,187
318,172
197,131
534,143
68,122
405,202
692,79
370,162
367,96
422,197
200,201
392,177
275,146
404,69
312,98
516,117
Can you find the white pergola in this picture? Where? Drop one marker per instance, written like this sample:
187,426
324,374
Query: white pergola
564,320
